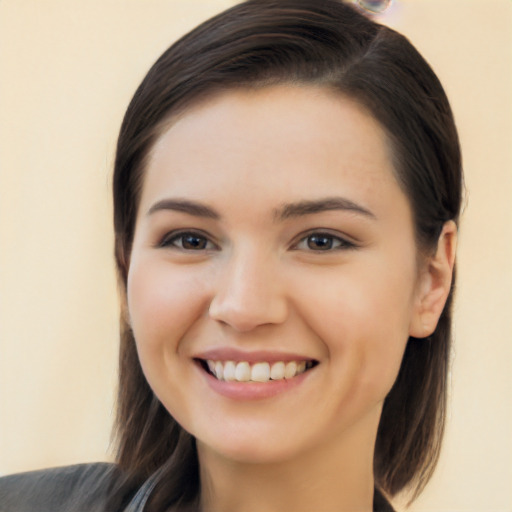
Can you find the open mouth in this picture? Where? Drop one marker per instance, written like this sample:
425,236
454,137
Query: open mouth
263,371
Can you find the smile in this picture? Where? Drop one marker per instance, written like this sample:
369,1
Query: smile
256,372
247,376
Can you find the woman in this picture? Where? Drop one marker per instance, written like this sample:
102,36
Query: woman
286,192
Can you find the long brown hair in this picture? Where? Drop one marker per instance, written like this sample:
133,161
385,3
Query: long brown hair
323,42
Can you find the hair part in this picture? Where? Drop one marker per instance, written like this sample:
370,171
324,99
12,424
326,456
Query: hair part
306,42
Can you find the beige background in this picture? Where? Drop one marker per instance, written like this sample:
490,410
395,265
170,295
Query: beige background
67,71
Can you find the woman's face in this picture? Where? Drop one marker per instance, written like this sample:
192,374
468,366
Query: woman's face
273,280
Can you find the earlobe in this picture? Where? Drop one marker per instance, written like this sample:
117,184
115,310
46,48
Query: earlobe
434,284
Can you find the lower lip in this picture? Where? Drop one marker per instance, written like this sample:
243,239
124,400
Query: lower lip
252,390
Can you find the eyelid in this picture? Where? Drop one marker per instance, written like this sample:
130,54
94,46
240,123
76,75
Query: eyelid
346,242
166,240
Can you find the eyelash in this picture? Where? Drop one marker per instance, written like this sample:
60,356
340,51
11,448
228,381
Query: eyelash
334,243
170,240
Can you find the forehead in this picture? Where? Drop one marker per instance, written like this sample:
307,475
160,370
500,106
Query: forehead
280,140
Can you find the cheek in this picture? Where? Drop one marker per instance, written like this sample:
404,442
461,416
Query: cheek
363,316
162,303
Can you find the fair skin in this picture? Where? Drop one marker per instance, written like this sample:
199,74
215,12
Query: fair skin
271,230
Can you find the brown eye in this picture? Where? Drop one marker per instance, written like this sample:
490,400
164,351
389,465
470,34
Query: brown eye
193,242
188,242
320,242
323,242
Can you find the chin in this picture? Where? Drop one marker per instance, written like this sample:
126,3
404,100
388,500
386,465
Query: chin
257,448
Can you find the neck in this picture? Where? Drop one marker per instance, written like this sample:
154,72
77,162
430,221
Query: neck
332,477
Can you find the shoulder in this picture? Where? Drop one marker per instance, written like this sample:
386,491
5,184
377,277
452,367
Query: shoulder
65,489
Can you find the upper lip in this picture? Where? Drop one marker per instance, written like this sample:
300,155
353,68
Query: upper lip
237,355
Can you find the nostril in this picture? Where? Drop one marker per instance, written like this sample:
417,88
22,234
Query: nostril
247,296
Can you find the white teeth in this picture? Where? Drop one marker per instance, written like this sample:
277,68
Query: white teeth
290,370
258,372
219,370
243,372
229,370
277,371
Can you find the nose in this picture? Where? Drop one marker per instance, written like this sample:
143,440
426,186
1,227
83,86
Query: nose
249,294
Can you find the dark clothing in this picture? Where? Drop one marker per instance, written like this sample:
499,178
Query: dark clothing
83,488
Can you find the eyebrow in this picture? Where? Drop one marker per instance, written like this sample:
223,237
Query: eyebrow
185,206
286,211
318,206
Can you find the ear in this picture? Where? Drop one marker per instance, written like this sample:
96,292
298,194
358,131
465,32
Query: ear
434,283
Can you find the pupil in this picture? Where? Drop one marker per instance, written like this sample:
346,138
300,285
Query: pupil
320,242
193,242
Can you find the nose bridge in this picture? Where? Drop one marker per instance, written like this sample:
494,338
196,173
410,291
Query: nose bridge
249,292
